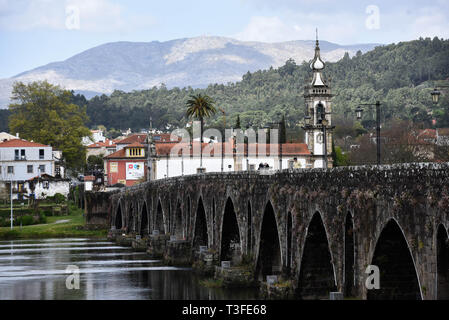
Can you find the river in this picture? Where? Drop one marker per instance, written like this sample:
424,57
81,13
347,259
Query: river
36,270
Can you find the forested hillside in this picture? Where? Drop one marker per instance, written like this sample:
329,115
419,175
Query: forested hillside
396,74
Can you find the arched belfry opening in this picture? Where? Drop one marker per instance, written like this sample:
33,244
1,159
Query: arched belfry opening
289,242
159,220
442,264
144,221
118,217
269,261
349,257
200,236
316,276
398,279
179,233
230,236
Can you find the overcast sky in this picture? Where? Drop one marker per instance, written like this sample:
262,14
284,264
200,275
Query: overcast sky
36,32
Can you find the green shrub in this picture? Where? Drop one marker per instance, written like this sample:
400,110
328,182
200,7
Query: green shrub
59,198
47,213
25,220
42,218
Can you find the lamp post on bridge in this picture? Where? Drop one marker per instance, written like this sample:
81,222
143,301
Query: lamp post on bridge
359,112
436,93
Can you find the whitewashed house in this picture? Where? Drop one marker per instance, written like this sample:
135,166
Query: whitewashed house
22,161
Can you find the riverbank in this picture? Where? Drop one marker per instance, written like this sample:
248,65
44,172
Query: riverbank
71,225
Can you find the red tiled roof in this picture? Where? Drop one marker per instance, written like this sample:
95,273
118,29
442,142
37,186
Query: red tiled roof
138,137
102,144
118,154
18,143
165,137
135,145
427,134
121,154
162,149
89,178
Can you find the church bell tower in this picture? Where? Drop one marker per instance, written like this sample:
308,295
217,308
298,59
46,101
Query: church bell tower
318,121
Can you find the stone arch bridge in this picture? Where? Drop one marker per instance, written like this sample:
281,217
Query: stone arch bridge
318,228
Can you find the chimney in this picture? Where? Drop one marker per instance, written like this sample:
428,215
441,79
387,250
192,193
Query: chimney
17,134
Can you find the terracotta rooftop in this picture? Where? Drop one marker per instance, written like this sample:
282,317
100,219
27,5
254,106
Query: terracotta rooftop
102,144
288,149
135,145
138,137
121,154
20,143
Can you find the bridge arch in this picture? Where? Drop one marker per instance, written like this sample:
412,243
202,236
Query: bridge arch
214,221
349,257
188,215
159,218
249,231
269,260
288,250
398,276
129,224
230,248
179,230
200,236
118,221
144,225
317,272
442,263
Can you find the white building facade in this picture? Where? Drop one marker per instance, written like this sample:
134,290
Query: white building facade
22,161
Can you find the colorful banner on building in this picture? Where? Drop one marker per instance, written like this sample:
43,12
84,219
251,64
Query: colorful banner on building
134,170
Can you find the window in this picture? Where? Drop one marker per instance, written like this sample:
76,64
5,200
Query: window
22,154
41,154
42,168
16,154
10,169
30,168
45,185
0,170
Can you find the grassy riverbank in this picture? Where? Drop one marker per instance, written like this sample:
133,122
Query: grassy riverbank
71,225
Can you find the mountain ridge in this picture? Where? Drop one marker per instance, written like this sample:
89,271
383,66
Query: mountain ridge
195,62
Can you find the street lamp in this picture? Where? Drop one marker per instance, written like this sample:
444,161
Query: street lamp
435,95
359,112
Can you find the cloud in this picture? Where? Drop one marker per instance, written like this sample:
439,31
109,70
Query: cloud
338,28
92,15
267,29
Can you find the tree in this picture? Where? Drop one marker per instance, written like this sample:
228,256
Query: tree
42,112
237,122
200,106
282,131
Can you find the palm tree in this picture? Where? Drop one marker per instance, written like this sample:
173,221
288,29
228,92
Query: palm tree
200,106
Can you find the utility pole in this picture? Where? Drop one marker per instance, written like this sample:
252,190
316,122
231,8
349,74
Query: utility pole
11,204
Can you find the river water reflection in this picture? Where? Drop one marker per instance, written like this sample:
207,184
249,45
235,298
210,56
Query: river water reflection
36,269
